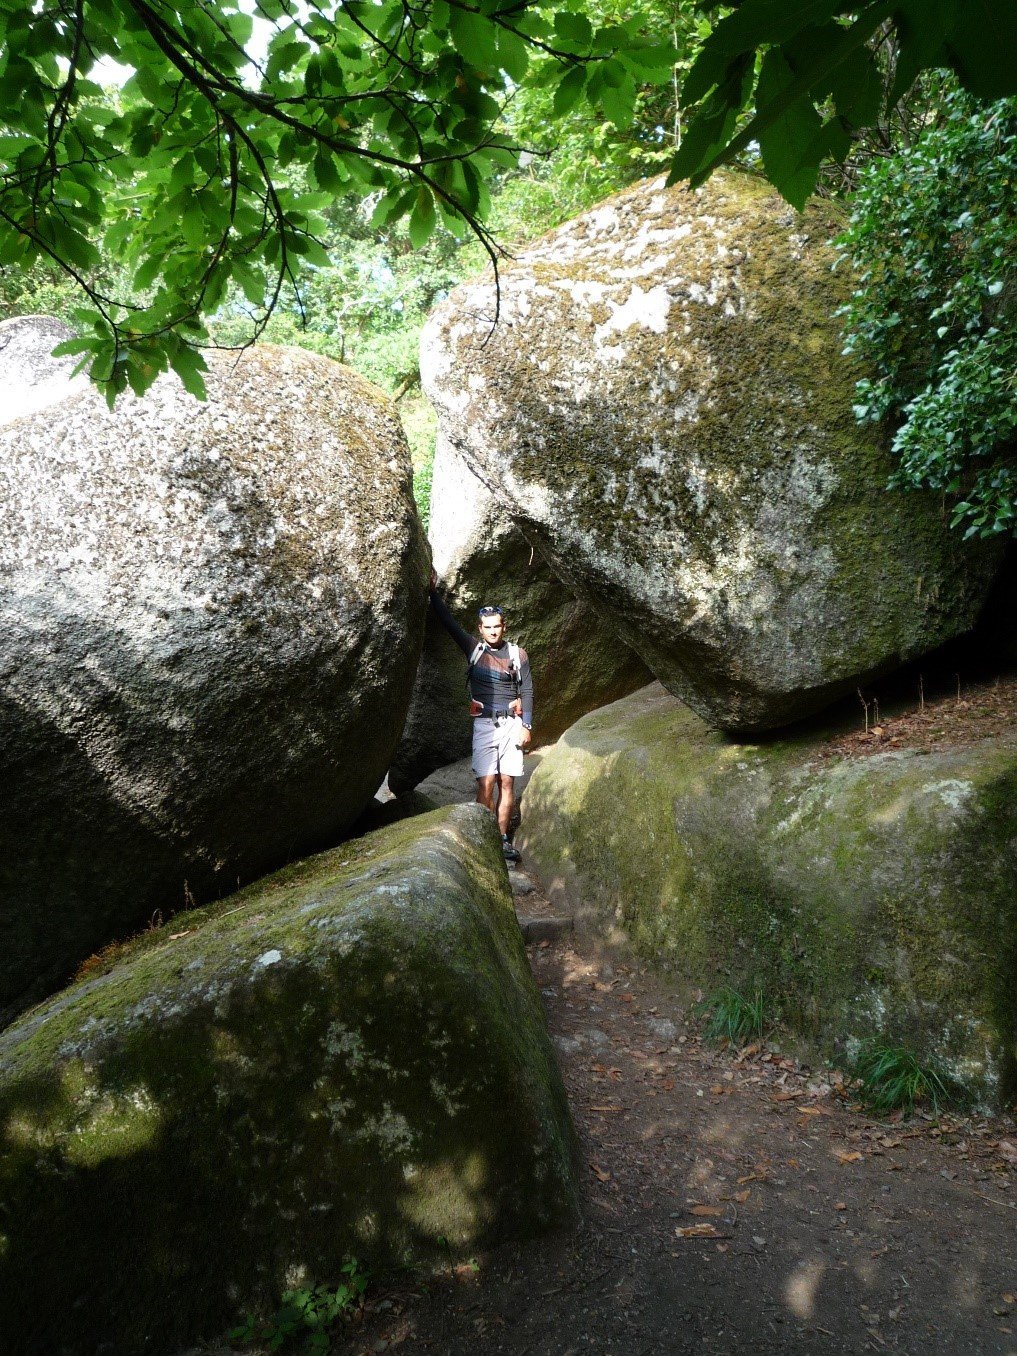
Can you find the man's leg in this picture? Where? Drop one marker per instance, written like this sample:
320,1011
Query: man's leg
506,803
485,791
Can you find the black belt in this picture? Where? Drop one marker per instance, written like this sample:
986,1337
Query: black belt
496,713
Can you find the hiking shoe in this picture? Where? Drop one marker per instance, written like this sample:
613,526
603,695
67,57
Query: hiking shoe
510,853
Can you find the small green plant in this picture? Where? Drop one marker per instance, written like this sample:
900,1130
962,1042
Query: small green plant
732,1016
305,1316
891,1078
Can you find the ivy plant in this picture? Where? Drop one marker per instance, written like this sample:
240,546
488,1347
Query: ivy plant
933,239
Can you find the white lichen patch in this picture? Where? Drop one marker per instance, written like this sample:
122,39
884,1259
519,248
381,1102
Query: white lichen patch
953,792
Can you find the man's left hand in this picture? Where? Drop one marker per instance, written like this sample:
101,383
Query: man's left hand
525,736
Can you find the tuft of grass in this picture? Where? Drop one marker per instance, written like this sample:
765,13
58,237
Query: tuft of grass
892,1078
732,1016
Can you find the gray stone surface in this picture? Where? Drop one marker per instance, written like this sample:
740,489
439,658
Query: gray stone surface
577,662
30,377
665,411
348,1059
866,893
209,623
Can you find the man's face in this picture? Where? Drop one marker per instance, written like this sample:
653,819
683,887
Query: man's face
492,628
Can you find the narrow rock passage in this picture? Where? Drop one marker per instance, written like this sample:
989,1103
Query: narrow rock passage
734,1202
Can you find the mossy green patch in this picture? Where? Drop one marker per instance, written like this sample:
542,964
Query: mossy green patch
349,1057
866,896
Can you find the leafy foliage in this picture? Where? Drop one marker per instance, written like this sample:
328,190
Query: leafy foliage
808,68
893,1079
732,1016
193,181
933,237
305,1316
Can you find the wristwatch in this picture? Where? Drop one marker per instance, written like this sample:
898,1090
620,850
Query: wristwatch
527,727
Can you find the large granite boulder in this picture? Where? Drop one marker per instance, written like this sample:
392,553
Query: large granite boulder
348,1059
576,660
210,617
866,894
664,409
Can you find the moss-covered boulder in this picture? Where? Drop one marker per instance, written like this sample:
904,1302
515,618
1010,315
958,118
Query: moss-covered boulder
349,1058
663,408
209,625
577,662
866,895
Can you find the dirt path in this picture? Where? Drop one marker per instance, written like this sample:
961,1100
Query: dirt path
813,1229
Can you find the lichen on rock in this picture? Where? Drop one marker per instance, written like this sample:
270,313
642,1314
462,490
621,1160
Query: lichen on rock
209,624
349,1057
866,896
663,408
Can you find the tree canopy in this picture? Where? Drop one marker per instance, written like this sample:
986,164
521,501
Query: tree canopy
810,69
189,183
241,121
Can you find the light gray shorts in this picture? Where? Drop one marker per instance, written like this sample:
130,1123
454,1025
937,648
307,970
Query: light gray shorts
496,747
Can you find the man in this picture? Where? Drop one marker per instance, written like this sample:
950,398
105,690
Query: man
501,704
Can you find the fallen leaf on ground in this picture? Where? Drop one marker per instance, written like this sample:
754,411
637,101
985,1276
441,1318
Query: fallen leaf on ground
840,1205
712,1210
1008,1149
789,1096
742,1196
175,936
717,1089
842,1156
697,1231
601,1174
750,1177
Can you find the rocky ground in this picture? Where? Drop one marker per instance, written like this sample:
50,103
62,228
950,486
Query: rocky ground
735,1201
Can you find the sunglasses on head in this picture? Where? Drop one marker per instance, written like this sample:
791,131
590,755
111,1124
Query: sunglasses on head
490,611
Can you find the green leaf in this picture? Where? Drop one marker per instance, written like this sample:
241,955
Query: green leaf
147,272
982,47
326,176
573,28
753,23
189,365
618,104
474,38
922,28
69,346
569,91
513,54
786,144
422,218
710,129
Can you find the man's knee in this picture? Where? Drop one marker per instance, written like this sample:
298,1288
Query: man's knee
485,791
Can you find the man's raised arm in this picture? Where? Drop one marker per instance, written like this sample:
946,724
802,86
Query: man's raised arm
463,639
